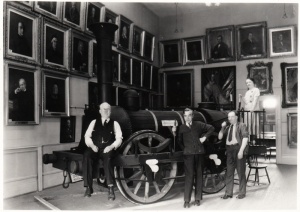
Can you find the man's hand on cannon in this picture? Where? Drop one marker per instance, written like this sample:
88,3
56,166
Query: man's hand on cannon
108,149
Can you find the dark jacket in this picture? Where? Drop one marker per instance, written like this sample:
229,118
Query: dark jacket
188,138
241,132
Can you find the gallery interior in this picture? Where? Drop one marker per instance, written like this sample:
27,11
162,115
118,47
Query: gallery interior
149,61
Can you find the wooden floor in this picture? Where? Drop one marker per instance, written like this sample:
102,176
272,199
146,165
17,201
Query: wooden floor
280,194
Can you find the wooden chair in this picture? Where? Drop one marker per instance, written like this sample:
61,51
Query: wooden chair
254,152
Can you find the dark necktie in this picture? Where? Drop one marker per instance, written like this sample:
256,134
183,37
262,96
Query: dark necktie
230,133
105,123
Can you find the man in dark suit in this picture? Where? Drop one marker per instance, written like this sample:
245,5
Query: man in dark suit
20,43
54,55
191,136
73,13
79,62
281,45
220,50
236,151
249,46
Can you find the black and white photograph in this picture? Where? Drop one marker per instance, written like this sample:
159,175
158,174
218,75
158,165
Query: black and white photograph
193,50
137,40
80,55
73,14
125,69
148,45
289,73
124,40
170,53
67,129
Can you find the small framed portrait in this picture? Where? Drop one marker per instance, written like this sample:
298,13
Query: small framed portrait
93,14
146,75
148,46
179,88
51,9
218,85
292,119
56,38
289,72
80,54
193,50
109,16
21,94
170,53
67,129
220,44
93,60
55,94
155,79
251,40
93,95
136,70
124,33
124,69
282,41
73,14
115,56
137,39
262,74
21,43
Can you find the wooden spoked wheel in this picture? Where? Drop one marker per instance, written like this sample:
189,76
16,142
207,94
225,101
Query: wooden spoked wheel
213,182
132,180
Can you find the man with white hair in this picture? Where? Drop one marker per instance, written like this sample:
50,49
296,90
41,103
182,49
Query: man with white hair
102,137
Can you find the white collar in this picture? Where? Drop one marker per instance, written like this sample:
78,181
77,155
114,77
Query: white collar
103,120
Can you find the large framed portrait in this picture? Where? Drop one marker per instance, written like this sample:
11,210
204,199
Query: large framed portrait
218,85
170,53
136,70
93,61
220,44
67,129
93,14
148,45
21,94
56,38
154,78
80,54
146,75
93,95
124,69
124,33
179,88
21,43
115,57
51,9
55,94
73,14
193,50
292,119
109,16
137,39
282,41
251,41
262,74
289,84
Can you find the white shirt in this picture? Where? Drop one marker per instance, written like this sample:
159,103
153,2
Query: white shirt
249,98
117,130
233,141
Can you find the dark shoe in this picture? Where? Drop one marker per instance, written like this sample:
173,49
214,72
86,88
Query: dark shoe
88,192
111,193
226,196
186,205
197,202
241,196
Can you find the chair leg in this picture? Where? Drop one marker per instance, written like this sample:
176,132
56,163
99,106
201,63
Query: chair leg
249,174
257,176
267,175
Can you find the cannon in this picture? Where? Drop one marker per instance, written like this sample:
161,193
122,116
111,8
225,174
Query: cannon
147,142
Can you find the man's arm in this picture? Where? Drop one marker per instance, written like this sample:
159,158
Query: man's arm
118,135
88,135
245,135
222,131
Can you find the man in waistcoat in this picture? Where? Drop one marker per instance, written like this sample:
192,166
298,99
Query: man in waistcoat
102,137
191,136
236,150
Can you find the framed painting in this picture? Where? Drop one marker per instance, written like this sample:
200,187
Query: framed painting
67,129
21,94
55,94
93,14
52,9
193,50
56,39
109,16
154,78
21,43
137,41
124,69
292,119
179,89
262,74
148,45
124,33
170,53
93,61
251,41
136,72
282,41
73,14
220,44
115,56
146,75
218,85
80,54
289,72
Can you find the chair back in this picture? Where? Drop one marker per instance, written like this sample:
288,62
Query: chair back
254,151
